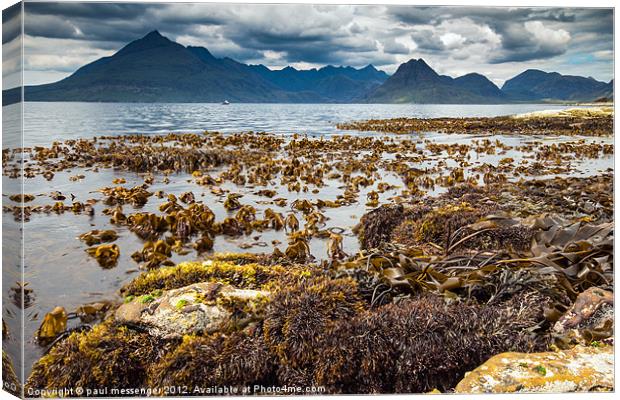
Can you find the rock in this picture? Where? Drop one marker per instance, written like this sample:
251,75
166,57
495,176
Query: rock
590,318
53,324
579,369
195,309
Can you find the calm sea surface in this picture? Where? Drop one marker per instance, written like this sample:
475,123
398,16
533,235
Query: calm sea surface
47,122
61,273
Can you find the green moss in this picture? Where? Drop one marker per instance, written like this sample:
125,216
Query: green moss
541,370
181,303
147,298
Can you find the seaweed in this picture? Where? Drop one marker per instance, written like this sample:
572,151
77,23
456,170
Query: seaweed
235,361
247,276
376,226
423,343
108,356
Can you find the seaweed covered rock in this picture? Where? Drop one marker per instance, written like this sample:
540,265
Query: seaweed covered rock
460,225
313,329
199,308
591,318
376,226
576,370
297,320
236,361
422,344
109,356
243,276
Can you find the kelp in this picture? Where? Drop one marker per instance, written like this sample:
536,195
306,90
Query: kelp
560,125
562,261
54,323
105,254
98,236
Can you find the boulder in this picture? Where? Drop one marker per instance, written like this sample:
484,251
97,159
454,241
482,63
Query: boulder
591,318
195,309
579,369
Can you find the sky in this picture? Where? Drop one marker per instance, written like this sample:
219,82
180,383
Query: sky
497,42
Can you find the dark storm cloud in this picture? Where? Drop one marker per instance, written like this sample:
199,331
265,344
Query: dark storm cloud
96,11
278,35
11,23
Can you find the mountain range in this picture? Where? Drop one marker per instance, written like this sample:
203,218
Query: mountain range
156,69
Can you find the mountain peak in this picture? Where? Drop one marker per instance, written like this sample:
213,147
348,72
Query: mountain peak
150,40
416,70
153,34
154,37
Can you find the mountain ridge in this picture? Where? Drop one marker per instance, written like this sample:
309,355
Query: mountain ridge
157,69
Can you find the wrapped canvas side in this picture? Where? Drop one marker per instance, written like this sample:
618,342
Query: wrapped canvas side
15,291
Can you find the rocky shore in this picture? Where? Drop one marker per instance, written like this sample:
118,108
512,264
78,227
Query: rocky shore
477,267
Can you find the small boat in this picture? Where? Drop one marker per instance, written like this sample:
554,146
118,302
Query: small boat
225,102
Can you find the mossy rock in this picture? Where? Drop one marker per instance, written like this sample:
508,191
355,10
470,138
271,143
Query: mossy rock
204,307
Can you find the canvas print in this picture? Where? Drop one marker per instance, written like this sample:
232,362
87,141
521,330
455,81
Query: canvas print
295,199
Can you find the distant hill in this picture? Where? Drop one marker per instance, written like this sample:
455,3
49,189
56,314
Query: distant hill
538,85
416,82
156,69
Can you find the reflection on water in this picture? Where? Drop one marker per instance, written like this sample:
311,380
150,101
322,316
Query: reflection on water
58,268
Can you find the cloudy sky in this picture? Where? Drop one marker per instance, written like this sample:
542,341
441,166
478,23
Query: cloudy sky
497,42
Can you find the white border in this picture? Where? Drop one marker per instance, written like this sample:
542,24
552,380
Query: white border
490,3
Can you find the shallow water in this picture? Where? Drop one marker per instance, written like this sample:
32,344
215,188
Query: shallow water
61,273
